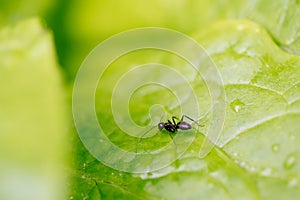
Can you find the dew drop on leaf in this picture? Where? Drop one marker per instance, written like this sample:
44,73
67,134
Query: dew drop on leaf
293,182
292,136
290,161
236,105
275,148
266,172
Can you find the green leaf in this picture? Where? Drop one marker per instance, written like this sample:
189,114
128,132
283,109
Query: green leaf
281,19
33,114
261,100
257,155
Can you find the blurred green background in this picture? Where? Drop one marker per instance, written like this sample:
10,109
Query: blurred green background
79,26
76,28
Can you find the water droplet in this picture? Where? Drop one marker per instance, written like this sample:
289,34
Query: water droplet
290,161
236,105
293,182
240,27
266,172
275,148
235,154
292,136
243,164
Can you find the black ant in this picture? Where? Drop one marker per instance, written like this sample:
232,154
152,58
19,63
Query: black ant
173,127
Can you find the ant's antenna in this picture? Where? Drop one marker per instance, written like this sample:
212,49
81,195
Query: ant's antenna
140,139
150,129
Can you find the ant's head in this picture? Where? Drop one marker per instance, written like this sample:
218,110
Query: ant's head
160,125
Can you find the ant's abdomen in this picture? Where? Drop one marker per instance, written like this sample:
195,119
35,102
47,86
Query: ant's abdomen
184,126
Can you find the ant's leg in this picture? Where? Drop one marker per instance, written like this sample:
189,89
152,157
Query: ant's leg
171,136
173,119
190,119
170,122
